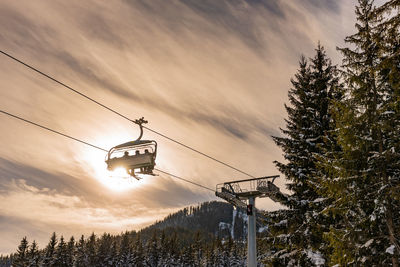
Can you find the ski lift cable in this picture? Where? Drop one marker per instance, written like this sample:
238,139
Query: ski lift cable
121,115
51,130
180,178
105,150
99,148
199,152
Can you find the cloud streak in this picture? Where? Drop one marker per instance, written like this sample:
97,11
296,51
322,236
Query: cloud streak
57,202
212,74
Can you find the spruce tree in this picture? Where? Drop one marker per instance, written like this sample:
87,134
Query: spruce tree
367,162
112,256
70,253
197,249
138,254
299,230
60,254
165,258
48,258
80,258
226,252
210,255
187,257
235,259
390,78
218,253
125,252
21,258
104,251
33,255
91,250
5,261
152,250
172,248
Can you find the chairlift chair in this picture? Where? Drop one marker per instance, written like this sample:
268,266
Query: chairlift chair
136,157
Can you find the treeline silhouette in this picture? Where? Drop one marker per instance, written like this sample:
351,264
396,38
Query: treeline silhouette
192,236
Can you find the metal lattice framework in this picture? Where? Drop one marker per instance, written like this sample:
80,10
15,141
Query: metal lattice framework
242,194
237,192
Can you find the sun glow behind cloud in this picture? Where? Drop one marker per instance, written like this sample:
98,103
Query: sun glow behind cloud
117,180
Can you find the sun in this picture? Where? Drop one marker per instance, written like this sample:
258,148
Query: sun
118,180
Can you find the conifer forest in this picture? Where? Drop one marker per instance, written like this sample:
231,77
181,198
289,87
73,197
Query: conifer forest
341,148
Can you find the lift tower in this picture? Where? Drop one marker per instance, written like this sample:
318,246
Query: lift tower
242,194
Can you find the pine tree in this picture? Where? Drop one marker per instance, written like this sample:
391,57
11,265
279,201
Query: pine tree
81,258
301,228
235,257
125,253
165,259
152,250
197,249
60,254
21,258
70,253
226,252
366,163
218,253
210,255
105,250
5,261
49,251
33,255
173,249
91,250
390,79
138,254
112,257
187,257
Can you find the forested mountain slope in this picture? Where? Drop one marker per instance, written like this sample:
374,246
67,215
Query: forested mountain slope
209,234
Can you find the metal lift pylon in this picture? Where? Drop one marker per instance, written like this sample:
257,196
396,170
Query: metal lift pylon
242,194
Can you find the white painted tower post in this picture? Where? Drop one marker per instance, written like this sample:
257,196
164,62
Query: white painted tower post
251,236
237,195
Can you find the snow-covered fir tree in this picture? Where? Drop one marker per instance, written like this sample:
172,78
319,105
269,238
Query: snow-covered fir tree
104,250
69,256
33,255
61,253
48,259
5,261
197,249
138,257
21,257
366,169
152,251
173,250
299,230
186,258
91,251
236,256
125,255
80,256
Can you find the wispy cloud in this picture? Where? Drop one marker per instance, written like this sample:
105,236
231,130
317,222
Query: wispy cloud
212,74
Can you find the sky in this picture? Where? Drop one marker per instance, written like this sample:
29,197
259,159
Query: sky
212,74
